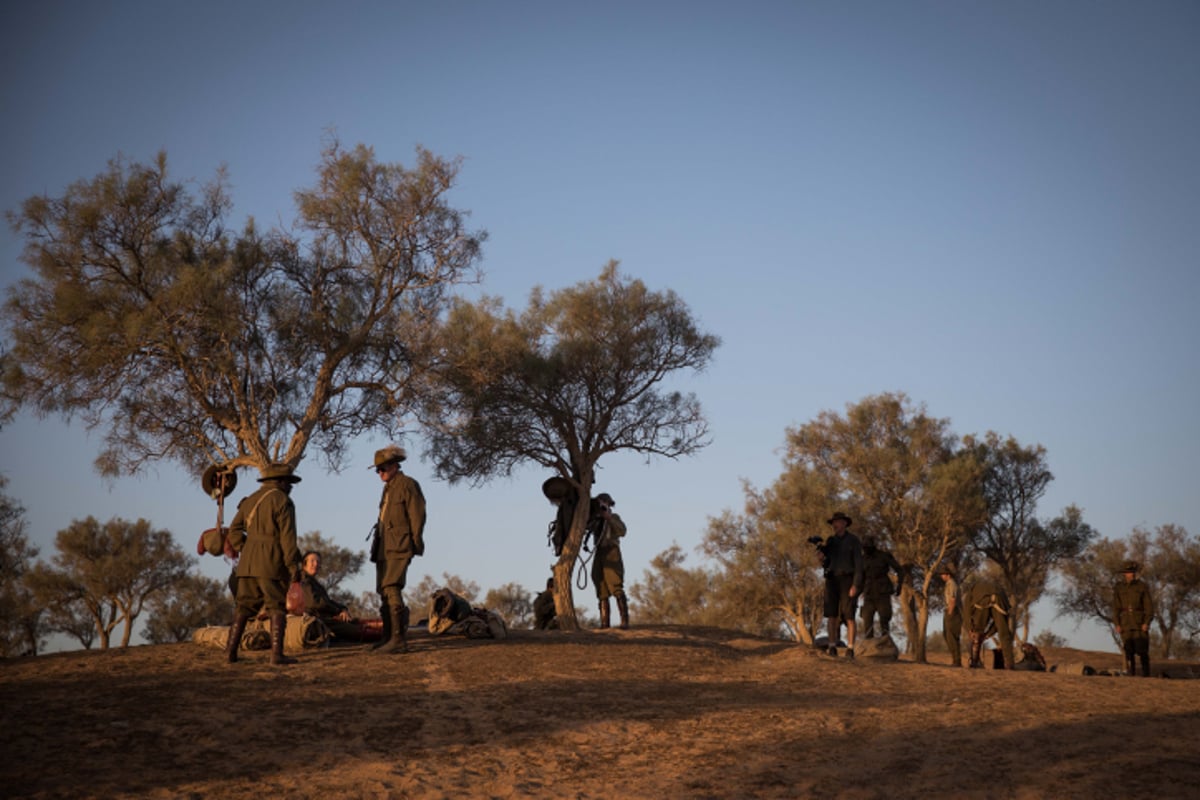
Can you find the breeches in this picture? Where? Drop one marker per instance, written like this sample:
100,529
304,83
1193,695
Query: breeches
391,572
1137,645
877,605
254,594
952,633
608,573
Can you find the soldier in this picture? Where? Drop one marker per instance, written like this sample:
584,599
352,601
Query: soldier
543,608
264,533
399,537
987,611
843,581
1133,609
608,569
318,602
952,617
877,587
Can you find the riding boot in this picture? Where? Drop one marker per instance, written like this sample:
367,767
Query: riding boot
235,637
278,626
387,625
604,613
1145,666
623,609
398,643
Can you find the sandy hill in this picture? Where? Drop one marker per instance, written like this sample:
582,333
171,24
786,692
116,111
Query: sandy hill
654,712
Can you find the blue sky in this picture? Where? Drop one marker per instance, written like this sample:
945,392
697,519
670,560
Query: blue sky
993,207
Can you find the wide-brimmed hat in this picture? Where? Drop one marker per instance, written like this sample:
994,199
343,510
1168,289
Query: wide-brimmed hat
870,541
945,569
606,498
279,472
839,515
391,453
212,484
556,489
1131,566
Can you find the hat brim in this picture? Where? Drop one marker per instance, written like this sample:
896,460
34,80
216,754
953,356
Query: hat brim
284,478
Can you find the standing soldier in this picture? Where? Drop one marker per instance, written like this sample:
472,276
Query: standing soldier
264,532
987,611
399,537
952,617
877,587
843,581
608,569
1132,611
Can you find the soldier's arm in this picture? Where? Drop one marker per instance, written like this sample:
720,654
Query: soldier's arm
416,517
237,528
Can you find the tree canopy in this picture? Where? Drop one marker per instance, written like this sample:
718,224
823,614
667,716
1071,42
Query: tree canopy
188,341
577,376
1023,549
105,574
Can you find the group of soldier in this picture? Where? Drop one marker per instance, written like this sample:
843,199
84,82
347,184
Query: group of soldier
263,533
855,570
263,537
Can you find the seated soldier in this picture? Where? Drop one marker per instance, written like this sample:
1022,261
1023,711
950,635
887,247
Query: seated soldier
318,602
1031,659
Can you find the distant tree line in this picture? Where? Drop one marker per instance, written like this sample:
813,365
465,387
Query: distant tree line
930,498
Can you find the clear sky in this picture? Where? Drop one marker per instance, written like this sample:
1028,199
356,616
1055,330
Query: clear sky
992,207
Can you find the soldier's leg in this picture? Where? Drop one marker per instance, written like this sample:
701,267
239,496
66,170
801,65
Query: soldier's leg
605,612
885,616
622,608
1143,651
868,618
398,615
1130,645
951,632
241,615
384,612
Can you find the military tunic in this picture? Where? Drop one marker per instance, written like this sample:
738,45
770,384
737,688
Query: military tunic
1133,610
264,533
401,533
608,569
878,588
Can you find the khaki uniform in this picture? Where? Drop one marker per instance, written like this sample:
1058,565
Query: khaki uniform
543,611
318,603
878,589
1133,610
401,532
608,568
264,532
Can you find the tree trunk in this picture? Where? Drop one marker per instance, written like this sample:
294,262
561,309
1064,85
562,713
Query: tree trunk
564,600
908,616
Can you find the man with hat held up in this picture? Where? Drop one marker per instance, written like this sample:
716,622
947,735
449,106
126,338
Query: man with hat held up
843,581
264,533
1133,609
608,569
399,536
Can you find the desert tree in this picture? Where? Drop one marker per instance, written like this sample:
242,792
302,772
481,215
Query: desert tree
189,341
513,603
1170,560
191,602
579,374
767,576
670,593
337,564
107,573
1024,550
899,473
23,624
